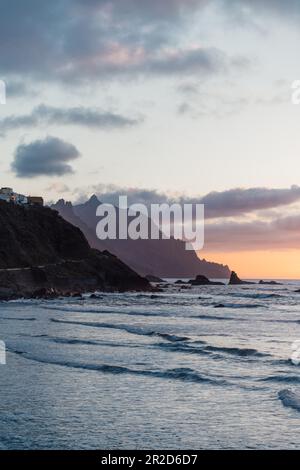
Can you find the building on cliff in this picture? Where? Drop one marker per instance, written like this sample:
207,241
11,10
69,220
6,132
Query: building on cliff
8,195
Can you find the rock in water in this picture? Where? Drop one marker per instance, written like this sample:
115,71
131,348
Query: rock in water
270,283
201,280
235,280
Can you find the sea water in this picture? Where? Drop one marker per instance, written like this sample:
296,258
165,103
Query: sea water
204,368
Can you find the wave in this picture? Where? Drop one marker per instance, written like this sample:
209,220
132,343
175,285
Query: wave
17,318
127,328
239,306
75,341
282,362
103,312
206,350
173,344
282,321
242,352
215,317
282,378
289,399
184,348
183,374
257,295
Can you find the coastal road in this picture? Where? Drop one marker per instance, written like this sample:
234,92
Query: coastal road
41,266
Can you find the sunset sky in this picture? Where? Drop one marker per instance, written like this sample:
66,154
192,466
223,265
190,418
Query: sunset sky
161,100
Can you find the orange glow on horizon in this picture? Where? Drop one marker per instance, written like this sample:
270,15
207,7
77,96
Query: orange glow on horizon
259,264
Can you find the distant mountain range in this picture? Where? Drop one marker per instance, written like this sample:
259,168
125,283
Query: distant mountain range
163,257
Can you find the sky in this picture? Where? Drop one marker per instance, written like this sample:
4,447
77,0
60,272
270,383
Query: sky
177,100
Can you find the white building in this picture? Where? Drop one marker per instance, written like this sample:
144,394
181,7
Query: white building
8,195
6,191
4,197
21,199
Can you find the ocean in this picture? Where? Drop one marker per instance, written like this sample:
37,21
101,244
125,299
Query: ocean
206,368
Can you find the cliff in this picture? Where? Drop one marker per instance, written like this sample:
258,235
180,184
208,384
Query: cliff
162,258
40,251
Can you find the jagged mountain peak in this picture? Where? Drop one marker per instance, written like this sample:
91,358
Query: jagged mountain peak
93,200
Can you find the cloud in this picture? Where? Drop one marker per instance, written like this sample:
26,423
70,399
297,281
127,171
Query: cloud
80,116
218,204
156,9
49,157
18,88
76,40
209,105
206,61
109,193
235,202
288,8
119,60
277,234
58,187
224,229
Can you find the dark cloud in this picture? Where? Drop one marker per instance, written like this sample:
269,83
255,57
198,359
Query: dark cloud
267,232
235,202
205,61
110,194
49,157
230,203
80,116
76,40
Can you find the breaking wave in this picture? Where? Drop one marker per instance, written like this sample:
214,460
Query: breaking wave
104,311
129,329
294,379
184,374
17,319
241,352
289,399
239,306
257,295
206,350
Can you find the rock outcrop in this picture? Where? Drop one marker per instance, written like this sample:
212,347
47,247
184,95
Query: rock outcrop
42,255
235,280
270,283
201,280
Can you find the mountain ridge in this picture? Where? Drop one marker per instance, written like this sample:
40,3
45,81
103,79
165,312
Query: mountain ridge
162,258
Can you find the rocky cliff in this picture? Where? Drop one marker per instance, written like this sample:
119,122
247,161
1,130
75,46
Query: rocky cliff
42,252
163,258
